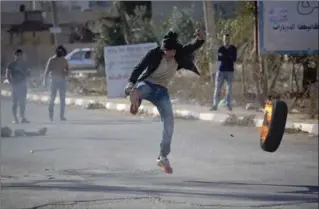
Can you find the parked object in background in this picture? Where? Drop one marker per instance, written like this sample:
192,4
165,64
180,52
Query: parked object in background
81,61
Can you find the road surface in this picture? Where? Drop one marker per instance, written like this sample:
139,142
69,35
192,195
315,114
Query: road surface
106,160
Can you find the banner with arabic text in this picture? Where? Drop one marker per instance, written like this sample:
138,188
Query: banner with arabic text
119,64
288,27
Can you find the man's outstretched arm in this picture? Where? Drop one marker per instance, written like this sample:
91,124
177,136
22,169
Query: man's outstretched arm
195,44
47,71
140,67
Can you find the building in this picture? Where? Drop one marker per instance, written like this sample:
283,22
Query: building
72,14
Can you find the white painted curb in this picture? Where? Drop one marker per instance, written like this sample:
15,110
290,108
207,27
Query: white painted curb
178,113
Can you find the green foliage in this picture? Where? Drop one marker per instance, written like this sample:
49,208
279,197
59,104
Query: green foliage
247,9
112,34
181,21
108,35
141,28
241,27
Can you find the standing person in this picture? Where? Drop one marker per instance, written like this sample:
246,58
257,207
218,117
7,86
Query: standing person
17,74
227,55
57,66
150,78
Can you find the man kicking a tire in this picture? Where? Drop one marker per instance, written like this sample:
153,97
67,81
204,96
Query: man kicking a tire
150,78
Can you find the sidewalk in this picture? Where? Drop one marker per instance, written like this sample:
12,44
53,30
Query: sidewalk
195,112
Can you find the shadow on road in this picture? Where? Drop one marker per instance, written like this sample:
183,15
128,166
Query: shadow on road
306,189
81,187
108,122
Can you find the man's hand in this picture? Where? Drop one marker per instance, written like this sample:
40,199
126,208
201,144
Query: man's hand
200,34
45,83
128,88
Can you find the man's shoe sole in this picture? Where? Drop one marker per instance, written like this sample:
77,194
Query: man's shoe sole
134,99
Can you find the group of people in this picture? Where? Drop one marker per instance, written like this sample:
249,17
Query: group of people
148,81
17,74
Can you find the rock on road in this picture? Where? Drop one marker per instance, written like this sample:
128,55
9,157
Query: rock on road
106,160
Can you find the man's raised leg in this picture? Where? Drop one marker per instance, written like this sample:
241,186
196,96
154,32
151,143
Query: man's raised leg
138,93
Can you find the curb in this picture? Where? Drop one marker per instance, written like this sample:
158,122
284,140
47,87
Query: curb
178,113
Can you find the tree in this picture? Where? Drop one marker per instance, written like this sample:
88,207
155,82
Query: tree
108,34
141,28
129,29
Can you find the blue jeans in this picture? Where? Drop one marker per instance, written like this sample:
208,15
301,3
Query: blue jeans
19,98
222,76
61,86
158,96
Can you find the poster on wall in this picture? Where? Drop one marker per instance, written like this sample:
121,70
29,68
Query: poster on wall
119,63
288,27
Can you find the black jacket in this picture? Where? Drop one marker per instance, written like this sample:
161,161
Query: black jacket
184,58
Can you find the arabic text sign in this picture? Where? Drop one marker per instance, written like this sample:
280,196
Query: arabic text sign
119,63
289,27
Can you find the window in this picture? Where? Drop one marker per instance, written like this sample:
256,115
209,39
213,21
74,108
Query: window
88,55
77,55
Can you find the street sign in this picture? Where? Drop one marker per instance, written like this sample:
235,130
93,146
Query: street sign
119,63
288,27
55,30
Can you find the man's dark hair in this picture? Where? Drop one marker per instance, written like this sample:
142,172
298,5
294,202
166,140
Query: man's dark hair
60,51
18,51
63,49
170,40
227,35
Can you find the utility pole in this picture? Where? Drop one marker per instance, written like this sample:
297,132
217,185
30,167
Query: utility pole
55,22
210,25
34,5
258,63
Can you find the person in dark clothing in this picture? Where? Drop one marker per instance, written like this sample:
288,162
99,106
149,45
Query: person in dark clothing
150,78
227,56
65,52
17,74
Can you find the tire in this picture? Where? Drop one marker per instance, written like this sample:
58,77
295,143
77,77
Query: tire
273,126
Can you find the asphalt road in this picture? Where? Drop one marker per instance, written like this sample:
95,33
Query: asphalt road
106,160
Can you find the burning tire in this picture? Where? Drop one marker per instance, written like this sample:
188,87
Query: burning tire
273,127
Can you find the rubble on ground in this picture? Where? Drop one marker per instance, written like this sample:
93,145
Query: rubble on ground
234,120
8,132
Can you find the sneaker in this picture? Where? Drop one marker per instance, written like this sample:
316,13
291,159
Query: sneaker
15,121
135,101
63,119
24,120
163,162
229,108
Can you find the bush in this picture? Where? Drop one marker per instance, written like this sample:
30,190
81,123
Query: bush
141,28
108,35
